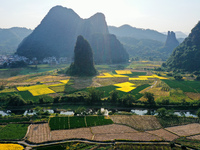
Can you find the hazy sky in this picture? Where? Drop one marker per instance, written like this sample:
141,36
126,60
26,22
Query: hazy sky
160,15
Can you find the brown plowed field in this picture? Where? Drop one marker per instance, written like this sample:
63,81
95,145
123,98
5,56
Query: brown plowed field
143,123
114,128
165,135
39,133
195,137
186,130
135,136
83,133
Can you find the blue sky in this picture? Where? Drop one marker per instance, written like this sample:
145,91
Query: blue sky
160,15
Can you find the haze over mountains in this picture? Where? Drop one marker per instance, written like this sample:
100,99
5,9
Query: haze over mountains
56,36
10,39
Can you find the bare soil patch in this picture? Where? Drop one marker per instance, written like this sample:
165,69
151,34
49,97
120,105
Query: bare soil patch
84,133
185,130
112,129
137,122
136,136
194,96
165,135
39,133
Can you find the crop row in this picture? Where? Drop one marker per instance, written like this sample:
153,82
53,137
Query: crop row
185,86
59,123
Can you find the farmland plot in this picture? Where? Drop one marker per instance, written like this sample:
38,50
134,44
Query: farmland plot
136,136
185,130
39,133
112,129
195,137
138,122
167,136
81,133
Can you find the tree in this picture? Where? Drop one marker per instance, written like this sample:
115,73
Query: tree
150,97
128,99
198,113
114,96
178,77
95,95
16,100
162,112
83,59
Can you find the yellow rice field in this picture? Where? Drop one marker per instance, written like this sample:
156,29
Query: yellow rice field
60,84
123,71
41,91
64,81
106,75
26,88
125,87
11,147
118,75
138,79
125,84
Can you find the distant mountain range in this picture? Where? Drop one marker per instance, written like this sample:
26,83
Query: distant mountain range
56,36
57,33
137,33
10,39
146,43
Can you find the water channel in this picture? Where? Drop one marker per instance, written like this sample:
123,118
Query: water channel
94,111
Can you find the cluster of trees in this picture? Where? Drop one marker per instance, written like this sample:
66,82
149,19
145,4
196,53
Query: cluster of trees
14,64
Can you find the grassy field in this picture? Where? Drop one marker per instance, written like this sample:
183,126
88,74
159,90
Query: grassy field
59,123
13,132
185,86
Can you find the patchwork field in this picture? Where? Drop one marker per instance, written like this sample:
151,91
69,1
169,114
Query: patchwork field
41,133
185,130
142,123
164,134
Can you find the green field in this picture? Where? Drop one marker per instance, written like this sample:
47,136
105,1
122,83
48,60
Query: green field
59,123
107,89
97,121
191,143
13,131
185,86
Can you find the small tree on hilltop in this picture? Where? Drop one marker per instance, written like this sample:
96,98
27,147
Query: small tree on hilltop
83,59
